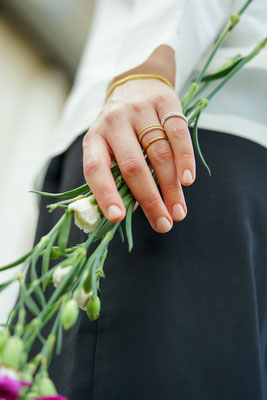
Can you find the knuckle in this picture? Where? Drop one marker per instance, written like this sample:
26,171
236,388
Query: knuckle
105,192
173,189
160,98
178,132
150,204
114,117
130,167
186,156
161,153
87,139
140,106
91,166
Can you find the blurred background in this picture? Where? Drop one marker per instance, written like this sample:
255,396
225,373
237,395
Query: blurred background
41,43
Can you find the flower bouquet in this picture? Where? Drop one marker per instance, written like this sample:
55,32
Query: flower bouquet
76,276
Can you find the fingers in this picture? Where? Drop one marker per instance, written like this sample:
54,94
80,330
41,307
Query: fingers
97,173
162,160
180,139
137,175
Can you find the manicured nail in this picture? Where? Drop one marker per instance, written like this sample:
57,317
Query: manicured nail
163,224
187,176
114,212
178,211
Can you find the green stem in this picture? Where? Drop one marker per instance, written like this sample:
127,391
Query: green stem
246,59
234,19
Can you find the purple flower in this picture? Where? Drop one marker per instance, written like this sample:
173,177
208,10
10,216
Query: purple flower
54,397
9,387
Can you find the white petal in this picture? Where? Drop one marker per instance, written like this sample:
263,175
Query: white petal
60,274
82,298
8,372
86,215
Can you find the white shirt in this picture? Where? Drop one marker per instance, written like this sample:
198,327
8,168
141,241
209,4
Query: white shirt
125,33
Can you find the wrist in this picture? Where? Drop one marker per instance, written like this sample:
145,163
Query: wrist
161,62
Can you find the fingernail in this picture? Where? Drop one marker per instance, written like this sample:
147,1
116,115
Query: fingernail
114,212
163,224
187,176
178,211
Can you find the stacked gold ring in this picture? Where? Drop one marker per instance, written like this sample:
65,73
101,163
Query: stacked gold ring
154,140
148,129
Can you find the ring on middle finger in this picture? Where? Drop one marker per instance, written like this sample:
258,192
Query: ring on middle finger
148,129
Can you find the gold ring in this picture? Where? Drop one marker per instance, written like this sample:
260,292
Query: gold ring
148,129
154,140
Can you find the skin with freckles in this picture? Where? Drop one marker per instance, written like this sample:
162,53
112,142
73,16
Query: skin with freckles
114,135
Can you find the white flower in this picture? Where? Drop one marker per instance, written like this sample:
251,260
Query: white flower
60,274
83,298
11,373
86,215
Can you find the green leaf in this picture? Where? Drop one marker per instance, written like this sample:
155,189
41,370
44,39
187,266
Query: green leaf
46,257
73,192
107,226
128,224
17,262
31,305
222,73
64,233
197,147
3,286
59,335
33,275
121,233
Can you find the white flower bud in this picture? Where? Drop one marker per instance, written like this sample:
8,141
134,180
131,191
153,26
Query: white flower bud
60,274
83,298
86,215
11,373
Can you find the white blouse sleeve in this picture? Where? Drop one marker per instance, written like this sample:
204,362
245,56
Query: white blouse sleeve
188,26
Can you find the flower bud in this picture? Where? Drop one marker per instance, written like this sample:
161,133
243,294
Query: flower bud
93,308
46,387
82,298
86,214
234,19
12,352
69,314
59,274
55,253
4,335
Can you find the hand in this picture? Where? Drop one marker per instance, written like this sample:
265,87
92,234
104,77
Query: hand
130,108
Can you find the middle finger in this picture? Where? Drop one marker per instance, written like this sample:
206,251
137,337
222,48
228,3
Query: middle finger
162,159
131,161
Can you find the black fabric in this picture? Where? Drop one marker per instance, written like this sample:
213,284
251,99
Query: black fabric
184,315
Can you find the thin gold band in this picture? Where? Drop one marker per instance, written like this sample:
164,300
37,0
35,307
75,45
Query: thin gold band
137,76
149,128
153,141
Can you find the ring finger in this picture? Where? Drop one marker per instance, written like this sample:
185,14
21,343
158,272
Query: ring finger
162,159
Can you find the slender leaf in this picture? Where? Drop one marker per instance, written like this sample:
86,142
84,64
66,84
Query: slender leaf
128,224
197,147
31,305
222,73
17,262
103,230
121,234
64,233
59,336
73,192
46,256
33,275
3,286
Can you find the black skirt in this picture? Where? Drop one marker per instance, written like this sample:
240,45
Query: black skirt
184,315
